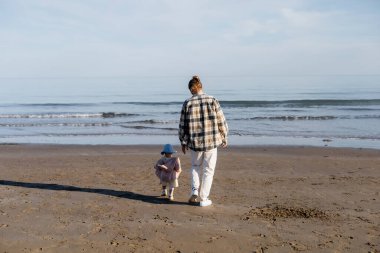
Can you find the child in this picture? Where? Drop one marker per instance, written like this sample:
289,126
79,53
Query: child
168,169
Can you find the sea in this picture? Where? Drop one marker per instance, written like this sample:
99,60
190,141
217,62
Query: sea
298,110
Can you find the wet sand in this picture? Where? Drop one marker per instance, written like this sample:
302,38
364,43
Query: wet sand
266,199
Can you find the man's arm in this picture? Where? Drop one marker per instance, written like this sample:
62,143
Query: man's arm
183,129
222,123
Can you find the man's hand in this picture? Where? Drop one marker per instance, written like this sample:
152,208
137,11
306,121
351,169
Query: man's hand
184,148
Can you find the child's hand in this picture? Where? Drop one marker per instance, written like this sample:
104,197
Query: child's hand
163,167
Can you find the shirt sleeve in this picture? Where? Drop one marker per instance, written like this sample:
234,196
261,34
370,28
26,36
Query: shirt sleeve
222,123
183,132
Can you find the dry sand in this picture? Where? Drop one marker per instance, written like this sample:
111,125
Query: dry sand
266,199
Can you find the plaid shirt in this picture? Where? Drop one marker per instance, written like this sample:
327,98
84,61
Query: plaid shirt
202,125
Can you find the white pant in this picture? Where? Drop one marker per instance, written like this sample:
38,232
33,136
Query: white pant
206,160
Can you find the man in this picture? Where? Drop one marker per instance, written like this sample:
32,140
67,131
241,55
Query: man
202,129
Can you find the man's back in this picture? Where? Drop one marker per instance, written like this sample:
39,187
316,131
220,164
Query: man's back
202,125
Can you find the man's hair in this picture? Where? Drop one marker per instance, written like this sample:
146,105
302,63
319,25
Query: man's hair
195,84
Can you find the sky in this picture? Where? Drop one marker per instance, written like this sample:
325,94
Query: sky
111,38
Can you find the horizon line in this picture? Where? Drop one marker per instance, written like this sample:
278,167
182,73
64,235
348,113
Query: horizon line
175,76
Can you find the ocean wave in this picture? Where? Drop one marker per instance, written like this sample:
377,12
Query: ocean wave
367,117
227,103
55,125
290,118
66,115
359,109
50,115
139,127
149,103
152,121
301,103
304,117
275,103
298,135
117,115
59,104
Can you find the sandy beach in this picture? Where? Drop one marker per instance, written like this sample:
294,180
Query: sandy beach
62,198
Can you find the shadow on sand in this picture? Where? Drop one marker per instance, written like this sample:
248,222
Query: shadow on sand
109,192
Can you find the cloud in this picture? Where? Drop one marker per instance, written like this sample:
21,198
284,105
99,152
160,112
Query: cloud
74,38
305,19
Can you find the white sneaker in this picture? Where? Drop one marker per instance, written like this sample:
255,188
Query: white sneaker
206,202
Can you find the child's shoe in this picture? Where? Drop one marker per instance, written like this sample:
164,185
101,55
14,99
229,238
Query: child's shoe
164,193
171,194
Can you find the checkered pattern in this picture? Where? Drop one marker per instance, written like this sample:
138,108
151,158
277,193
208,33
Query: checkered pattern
202,125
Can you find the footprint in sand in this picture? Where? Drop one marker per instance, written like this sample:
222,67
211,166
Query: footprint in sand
114,243
297,246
